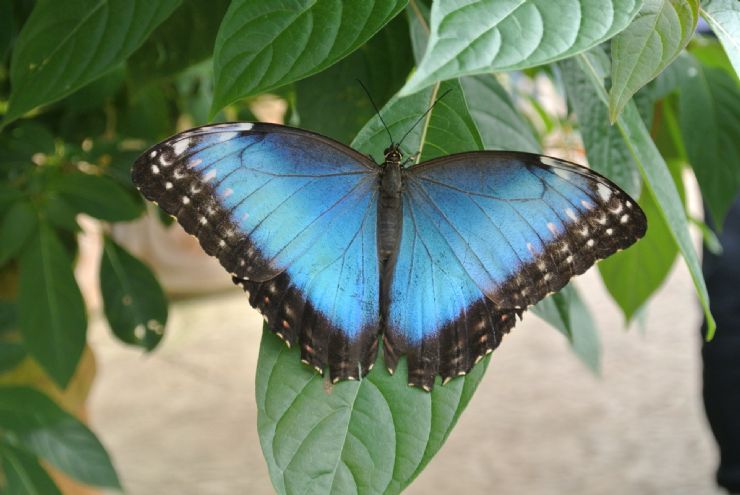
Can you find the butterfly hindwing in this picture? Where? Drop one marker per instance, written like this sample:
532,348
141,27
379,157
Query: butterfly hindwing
485,235
292,216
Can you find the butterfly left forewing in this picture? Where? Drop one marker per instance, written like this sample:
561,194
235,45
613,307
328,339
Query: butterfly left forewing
486,235
292,216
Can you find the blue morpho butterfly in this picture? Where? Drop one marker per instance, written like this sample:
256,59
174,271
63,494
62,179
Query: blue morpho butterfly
339,253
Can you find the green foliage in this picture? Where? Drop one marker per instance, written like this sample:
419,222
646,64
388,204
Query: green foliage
51,315
335,91
724,18
710,125
567,312
371,436
135,304
654,39
476,37
34,424
24,475
86,85
263,45
65,45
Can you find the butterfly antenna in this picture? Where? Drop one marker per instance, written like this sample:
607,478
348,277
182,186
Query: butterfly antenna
423,115
376,109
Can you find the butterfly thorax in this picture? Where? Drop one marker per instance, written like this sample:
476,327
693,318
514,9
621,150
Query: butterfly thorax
389,206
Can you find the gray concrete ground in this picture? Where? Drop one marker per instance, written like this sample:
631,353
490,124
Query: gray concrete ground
183,420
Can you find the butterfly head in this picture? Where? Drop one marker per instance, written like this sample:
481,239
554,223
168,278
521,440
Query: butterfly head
393,154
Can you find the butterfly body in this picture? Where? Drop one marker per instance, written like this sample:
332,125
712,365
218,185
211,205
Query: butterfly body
339,253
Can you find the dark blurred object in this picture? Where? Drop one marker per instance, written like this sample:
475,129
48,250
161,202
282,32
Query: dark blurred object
722,355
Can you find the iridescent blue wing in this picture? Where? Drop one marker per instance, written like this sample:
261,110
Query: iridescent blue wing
485,235
292,216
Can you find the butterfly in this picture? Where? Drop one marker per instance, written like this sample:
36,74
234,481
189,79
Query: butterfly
340,254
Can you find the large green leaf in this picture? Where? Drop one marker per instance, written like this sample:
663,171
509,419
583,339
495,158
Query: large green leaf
605,148
334,104
724,18
17,226
98,196
65,45
133,300
476,36
654,39
368,437
184,39
709,106
658,180
24,475
31,421
51,311
263,45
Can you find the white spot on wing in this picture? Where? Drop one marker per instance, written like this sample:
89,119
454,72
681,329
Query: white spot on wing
155,169
590,243
210,175
604,192
625,218
228,192
571,214
552,228
180,146
153,154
